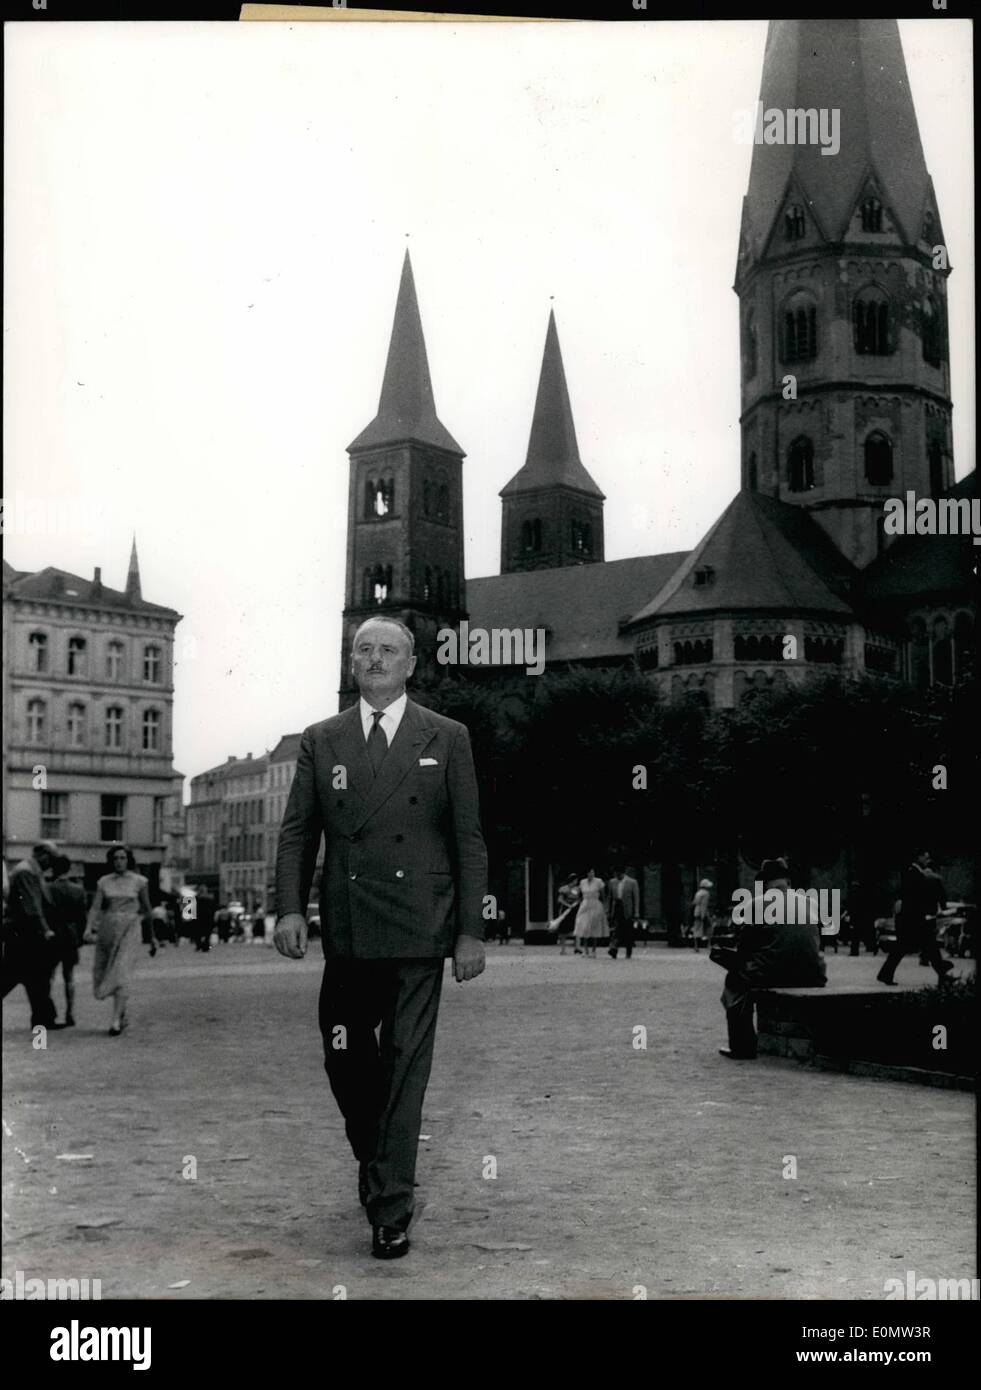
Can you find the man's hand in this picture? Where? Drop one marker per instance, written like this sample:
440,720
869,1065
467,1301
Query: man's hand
468,958
290,936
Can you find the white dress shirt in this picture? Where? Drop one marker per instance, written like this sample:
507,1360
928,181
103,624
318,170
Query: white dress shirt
390,720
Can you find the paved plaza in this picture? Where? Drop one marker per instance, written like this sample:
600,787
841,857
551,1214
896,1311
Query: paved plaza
201,1155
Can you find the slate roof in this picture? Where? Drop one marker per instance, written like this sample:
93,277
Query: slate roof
553,450
406,408
764,554
856,66
287,749
60,586
580,605
925,565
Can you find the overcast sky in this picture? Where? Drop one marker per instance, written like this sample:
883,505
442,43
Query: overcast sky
204,231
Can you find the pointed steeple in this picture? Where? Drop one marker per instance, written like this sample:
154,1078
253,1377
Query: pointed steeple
406,410
553,451
855,67
133,590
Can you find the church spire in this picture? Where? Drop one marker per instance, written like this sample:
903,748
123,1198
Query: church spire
406,410
553,451
854,70
133,590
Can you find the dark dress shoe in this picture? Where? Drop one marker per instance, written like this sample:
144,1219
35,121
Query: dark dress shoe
883,981
388,1243
363,1184
737,1056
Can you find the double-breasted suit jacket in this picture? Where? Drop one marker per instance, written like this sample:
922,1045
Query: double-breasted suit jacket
405,865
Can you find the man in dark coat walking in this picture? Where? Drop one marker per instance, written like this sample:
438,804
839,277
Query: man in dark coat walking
391,786
916,927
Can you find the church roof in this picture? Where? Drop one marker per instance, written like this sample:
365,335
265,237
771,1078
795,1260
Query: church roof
406,409
580,606
856,66
553,450
925,565
60,586
761,554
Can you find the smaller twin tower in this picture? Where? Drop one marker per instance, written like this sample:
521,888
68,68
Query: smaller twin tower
405,506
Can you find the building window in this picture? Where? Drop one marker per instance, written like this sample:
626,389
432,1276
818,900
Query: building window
793,222
159,803
152,665
930,330
878,459
531,535
935,459
581,537
758,647
76,725
427,584
37,720
693,653
443,503
799,331
114,726
38,646
377,584
647,657
76,656
751,346
824,650
881,660
114,661
871,215
703,577
379,497
870,322
112,818
151,731
54,815
800,465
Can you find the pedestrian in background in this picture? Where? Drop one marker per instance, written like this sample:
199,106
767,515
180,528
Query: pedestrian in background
591,927
67,917
569,899
28,939
624,893
701,913
916,925
121,905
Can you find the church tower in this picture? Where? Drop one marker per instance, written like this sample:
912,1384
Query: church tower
405,503
841,280
553,511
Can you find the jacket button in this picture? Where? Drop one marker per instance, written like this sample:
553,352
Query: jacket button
355,837
413,800
399,839
340,803
399,873
354,875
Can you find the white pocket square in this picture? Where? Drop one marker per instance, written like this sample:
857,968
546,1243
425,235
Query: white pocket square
428,762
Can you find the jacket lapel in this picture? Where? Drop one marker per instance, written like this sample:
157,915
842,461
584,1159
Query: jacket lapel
412,736
349,744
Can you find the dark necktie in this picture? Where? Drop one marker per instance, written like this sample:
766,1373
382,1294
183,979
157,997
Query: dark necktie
377,742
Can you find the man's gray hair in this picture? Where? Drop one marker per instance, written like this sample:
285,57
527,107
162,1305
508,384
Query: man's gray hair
392,622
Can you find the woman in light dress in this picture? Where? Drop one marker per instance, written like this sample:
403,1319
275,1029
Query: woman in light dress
701,920
591,924
120,909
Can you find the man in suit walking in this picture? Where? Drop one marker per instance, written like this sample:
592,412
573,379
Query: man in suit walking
624,911
391,786
916,930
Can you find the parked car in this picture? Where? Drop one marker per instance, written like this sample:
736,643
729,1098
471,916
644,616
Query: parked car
955,929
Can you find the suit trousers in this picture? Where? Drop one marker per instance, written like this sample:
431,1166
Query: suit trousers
918,936
29,961
379,1083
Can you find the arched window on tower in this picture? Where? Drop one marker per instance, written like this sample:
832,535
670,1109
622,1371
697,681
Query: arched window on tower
871,215
443,503
800,465
752,473
381,583
531,535
935,459
38,645
793,222
800,329
751,346
427,584
878,459
963,647
871,323
581,538
427,498
930,330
